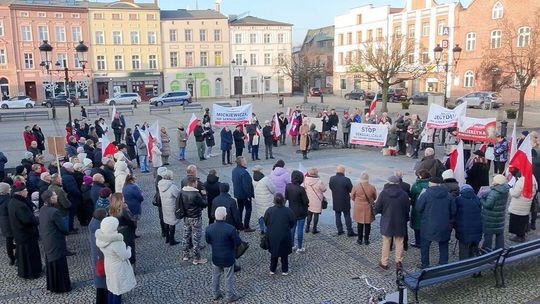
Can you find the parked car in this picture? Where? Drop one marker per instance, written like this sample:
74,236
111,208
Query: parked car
315,92
60,100
171,98
357,94
17,102
420,98
394,95
124,98
481,99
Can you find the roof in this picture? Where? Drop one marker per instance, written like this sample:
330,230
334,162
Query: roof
122,5
191,14
37,4
320,34
254,21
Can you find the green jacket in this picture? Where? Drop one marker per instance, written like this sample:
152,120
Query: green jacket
494,209
416,190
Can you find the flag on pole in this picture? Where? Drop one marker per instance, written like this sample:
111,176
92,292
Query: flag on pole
372,106
457,163
107,147
192,124
513,142
275,127
113,114
522,160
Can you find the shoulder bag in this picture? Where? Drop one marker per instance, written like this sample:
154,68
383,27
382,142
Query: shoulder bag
324,202
180,211
100,267
371,203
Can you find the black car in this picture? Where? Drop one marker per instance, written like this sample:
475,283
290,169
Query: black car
394,95
355,94
60,100
419,98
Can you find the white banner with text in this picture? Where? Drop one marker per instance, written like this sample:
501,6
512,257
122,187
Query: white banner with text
368,134
441,118
225,116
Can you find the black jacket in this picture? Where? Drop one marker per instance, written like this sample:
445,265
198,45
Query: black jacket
116,125
23,222
333,120
394,205
478,176
108,174
89,150
53,233
341,187
5,226
238,137
297,196
279,220
268,137
212,188
192,201
198,133
210,141
283,124
233,215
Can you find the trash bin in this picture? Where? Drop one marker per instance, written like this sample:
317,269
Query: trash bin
238,103
504,128
322,98
281,101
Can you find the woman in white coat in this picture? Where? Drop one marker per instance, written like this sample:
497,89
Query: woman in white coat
118,271
156,156
519,209
121,171
168,193
315,189
264,194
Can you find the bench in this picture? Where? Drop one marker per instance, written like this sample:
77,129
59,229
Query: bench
517,253
24,114
125,110
159,109
449,272
342,109
193,106
224,104
319,108
98,112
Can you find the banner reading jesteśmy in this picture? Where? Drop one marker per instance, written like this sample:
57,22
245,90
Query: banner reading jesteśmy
224,116
368,134
441,118
478,129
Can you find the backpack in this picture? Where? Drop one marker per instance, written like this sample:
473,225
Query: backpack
180,211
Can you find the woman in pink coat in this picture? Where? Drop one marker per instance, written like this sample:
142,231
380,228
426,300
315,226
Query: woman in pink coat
315,189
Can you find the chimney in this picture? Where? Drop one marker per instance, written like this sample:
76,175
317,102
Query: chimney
217,6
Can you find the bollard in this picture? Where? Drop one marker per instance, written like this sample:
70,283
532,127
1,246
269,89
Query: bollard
322,98
282,101
504,128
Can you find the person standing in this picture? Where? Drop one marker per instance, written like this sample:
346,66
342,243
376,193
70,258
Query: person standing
209,139
116,125
156,156
239,144
298,200
333,122
268,135
169,193
121,172
226,145
279,221
28,137
200,134
315,189
157,201
243,191
363,195
165,146
341,187
519,208
437,209
280,176
283,122
130,143
53,234
264,191
126,223
133,197
346,128
223,238
193,204
304,139
5,226
468,222
421,183
212,191
393,205
96,254
142,151
181,138
478,172
119,274
25,233
254,140
500,151
494,212
74,194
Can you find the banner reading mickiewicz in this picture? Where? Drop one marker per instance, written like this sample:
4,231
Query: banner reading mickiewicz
225,116
368,134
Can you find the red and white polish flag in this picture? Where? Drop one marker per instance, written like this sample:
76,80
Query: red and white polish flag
522,160
457,163
107,147
372,106
192,124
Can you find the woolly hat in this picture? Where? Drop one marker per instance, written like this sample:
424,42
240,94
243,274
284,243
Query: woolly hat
19,169
28,154
78,166
87,162
18,186
68,165
161,171
109,225
499,179
258,168
105,192
364,177
448,174
87,180
393,179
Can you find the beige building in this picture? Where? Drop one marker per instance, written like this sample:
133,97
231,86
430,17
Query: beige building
196,52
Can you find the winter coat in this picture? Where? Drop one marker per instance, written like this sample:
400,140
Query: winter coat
181,138
494,209
392,139
28,138
268,136
393,205
198,133
210,140
243,186
22,221
69,185
296,195
121,171
130,143
142,149
341,187
165,144
315,189
438,210
452,185
520,205
118,271
168,192
212,188
223,238
264,195
94,191
225,200
95,253
363,198
5,226
52,232
3,161
133,198
304,137
279,221
500,151
33,182
468,217
192,201
433,165
416,189
478,175
239,139
346,125
63,202
280,177
226,140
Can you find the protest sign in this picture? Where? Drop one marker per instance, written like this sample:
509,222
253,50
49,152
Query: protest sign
477,129
224,116
368,134
441,118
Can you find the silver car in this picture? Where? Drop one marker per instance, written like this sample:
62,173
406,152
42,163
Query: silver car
481,99
124,98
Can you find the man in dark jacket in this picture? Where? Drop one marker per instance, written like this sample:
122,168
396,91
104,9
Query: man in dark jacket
5,226
430,163
224,239
73,192
341,187
283,122
200,134
450,183
468,222
63,202
108,173
333,121
238,136
193,203
438,210
402,123
116,125
268,135
225,200
212,190
3,161
393,204
243,191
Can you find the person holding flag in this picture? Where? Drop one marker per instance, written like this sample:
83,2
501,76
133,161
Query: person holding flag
269,134
181,137
200,134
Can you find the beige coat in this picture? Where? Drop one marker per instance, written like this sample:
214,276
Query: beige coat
362,211
304,139
315,189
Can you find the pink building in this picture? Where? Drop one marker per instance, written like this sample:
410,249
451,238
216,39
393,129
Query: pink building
8,69
63,25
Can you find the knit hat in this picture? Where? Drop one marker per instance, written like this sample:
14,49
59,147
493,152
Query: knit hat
105,192
28,154
87,162
19,169
393,179
67,165
448,174
87,180
19,186
258,168
499,179
161,171
109,225
435,180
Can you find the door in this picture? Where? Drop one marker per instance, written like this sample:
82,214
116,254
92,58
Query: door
4,88
103,91
217,88
30,89
238,85
205,88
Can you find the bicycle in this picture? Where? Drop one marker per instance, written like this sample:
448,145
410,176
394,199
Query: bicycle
377,295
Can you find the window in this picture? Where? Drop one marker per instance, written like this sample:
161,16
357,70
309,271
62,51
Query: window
172,35
58,15
204,58
150,17
397,31
340,58
252,38
116,16
266,38
253,59
151,37
60,33
359,37
425,56
348,57
468,80
28,60
470,41
410,58
76,34
496,39
217,58
42,15
349,38
133,17
202,35
75,16
134,37
238,59
62,59
358,19
100,37
440,27
379,34
1,28
425,29
497,11
118,62
281,38
3,59
370,35
136,62
24,14
43,32
117,37
188,35
267,60
411,31
76,62
189,59
98,16
524,36
173,59
217,35
254,84
100,60
281,58
237,38
26,33
152,62
340,39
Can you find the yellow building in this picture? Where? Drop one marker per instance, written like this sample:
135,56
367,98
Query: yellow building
126,48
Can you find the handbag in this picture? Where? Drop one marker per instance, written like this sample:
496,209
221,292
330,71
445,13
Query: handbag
241,249
370,203
157,200
264,243
180,211
100,267
324,201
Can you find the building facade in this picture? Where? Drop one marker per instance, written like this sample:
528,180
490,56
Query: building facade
9,83
318,47
257,47
196,52
126,49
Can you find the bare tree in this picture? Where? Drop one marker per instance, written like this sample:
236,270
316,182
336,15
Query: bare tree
387,62
518,55
492,77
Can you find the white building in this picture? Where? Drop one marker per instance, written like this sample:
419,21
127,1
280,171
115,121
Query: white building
257,46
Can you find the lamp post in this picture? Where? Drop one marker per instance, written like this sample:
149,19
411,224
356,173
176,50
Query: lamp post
46,55
438,50
239,66
194,84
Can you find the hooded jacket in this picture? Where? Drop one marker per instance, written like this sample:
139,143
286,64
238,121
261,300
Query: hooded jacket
133,198
212,188
280,177
264,195
393,204
452,185
242,183
121,171
468,217
297,196
438,210
315,189
494,209
168,193
192,201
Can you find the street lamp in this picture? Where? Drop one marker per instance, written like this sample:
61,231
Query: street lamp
46,54
239,66
194,84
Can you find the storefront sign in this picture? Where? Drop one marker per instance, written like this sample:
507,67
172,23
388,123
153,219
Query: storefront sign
441,118
192,76
477,129
225,116
368,134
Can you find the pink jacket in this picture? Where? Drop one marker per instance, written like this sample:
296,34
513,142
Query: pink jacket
315,189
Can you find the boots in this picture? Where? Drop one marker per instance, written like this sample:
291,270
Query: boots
367,228
360,228
308,221
315,222
172,241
